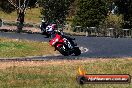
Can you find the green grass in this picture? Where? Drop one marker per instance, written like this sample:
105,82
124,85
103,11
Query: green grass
32,15
60,74
22,48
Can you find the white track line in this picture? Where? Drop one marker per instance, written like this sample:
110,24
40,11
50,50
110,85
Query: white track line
83,49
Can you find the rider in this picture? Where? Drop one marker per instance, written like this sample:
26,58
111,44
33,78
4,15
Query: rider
55,26
50,29
62,34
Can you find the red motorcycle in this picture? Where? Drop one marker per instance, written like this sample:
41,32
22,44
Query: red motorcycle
65,45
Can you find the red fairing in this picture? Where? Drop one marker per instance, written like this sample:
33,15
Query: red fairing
57,38
60,41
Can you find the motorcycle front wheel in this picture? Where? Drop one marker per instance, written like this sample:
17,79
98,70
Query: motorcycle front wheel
77,51
62,51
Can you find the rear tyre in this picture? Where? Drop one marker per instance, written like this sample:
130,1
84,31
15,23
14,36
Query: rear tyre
42,33
77,51
48,35
62,51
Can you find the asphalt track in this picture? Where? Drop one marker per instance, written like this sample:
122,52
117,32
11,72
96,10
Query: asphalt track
93,47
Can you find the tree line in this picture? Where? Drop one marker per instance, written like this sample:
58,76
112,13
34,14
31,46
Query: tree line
84,13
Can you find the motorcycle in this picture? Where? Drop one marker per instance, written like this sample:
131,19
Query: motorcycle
65,45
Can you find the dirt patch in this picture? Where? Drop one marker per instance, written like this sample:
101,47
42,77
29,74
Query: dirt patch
5,65
13,28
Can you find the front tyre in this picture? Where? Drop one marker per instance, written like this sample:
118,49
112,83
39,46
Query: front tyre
62,51
77,51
